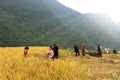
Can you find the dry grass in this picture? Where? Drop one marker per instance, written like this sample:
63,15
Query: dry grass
36,66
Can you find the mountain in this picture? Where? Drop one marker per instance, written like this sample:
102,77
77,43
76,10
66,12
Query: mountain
43,22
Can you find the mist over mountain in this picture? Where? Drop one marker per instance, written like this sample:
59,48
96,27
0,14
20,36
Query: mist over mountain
43,22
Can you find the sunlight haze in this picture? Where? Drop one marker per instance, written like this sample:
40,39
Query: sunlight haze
109,7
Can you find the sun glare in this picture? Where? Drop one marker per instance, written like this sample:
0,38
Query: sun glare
109,7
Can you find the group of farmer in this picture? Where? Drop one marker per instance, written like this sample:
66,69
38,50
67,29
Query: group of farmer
53,51
76,50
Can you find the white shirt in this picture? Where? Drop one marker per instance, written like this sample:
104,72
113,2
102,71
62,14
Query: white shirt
50,53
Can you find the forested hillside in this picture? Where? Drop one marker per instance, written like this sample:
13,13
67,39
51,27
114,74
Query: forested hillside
43,22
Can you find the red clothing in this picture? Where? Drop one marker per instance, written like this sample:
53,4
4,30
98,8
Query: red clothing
83,47
25,52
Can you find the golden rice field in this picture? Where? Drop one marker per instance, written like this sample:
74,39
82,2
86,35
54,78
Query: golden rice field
36,66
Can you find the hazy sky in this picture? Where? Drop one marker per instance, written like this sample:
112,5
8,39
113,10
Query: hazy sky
109,7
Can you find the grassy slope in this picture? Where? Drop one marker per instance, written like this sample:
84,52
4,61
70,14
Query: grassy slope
43,22
68,67
33,22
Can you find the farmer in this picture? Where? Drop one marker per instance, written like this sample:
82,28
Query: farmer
114,51
50,53
107,50
99,50
55,49
26,51
76,50
83,49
